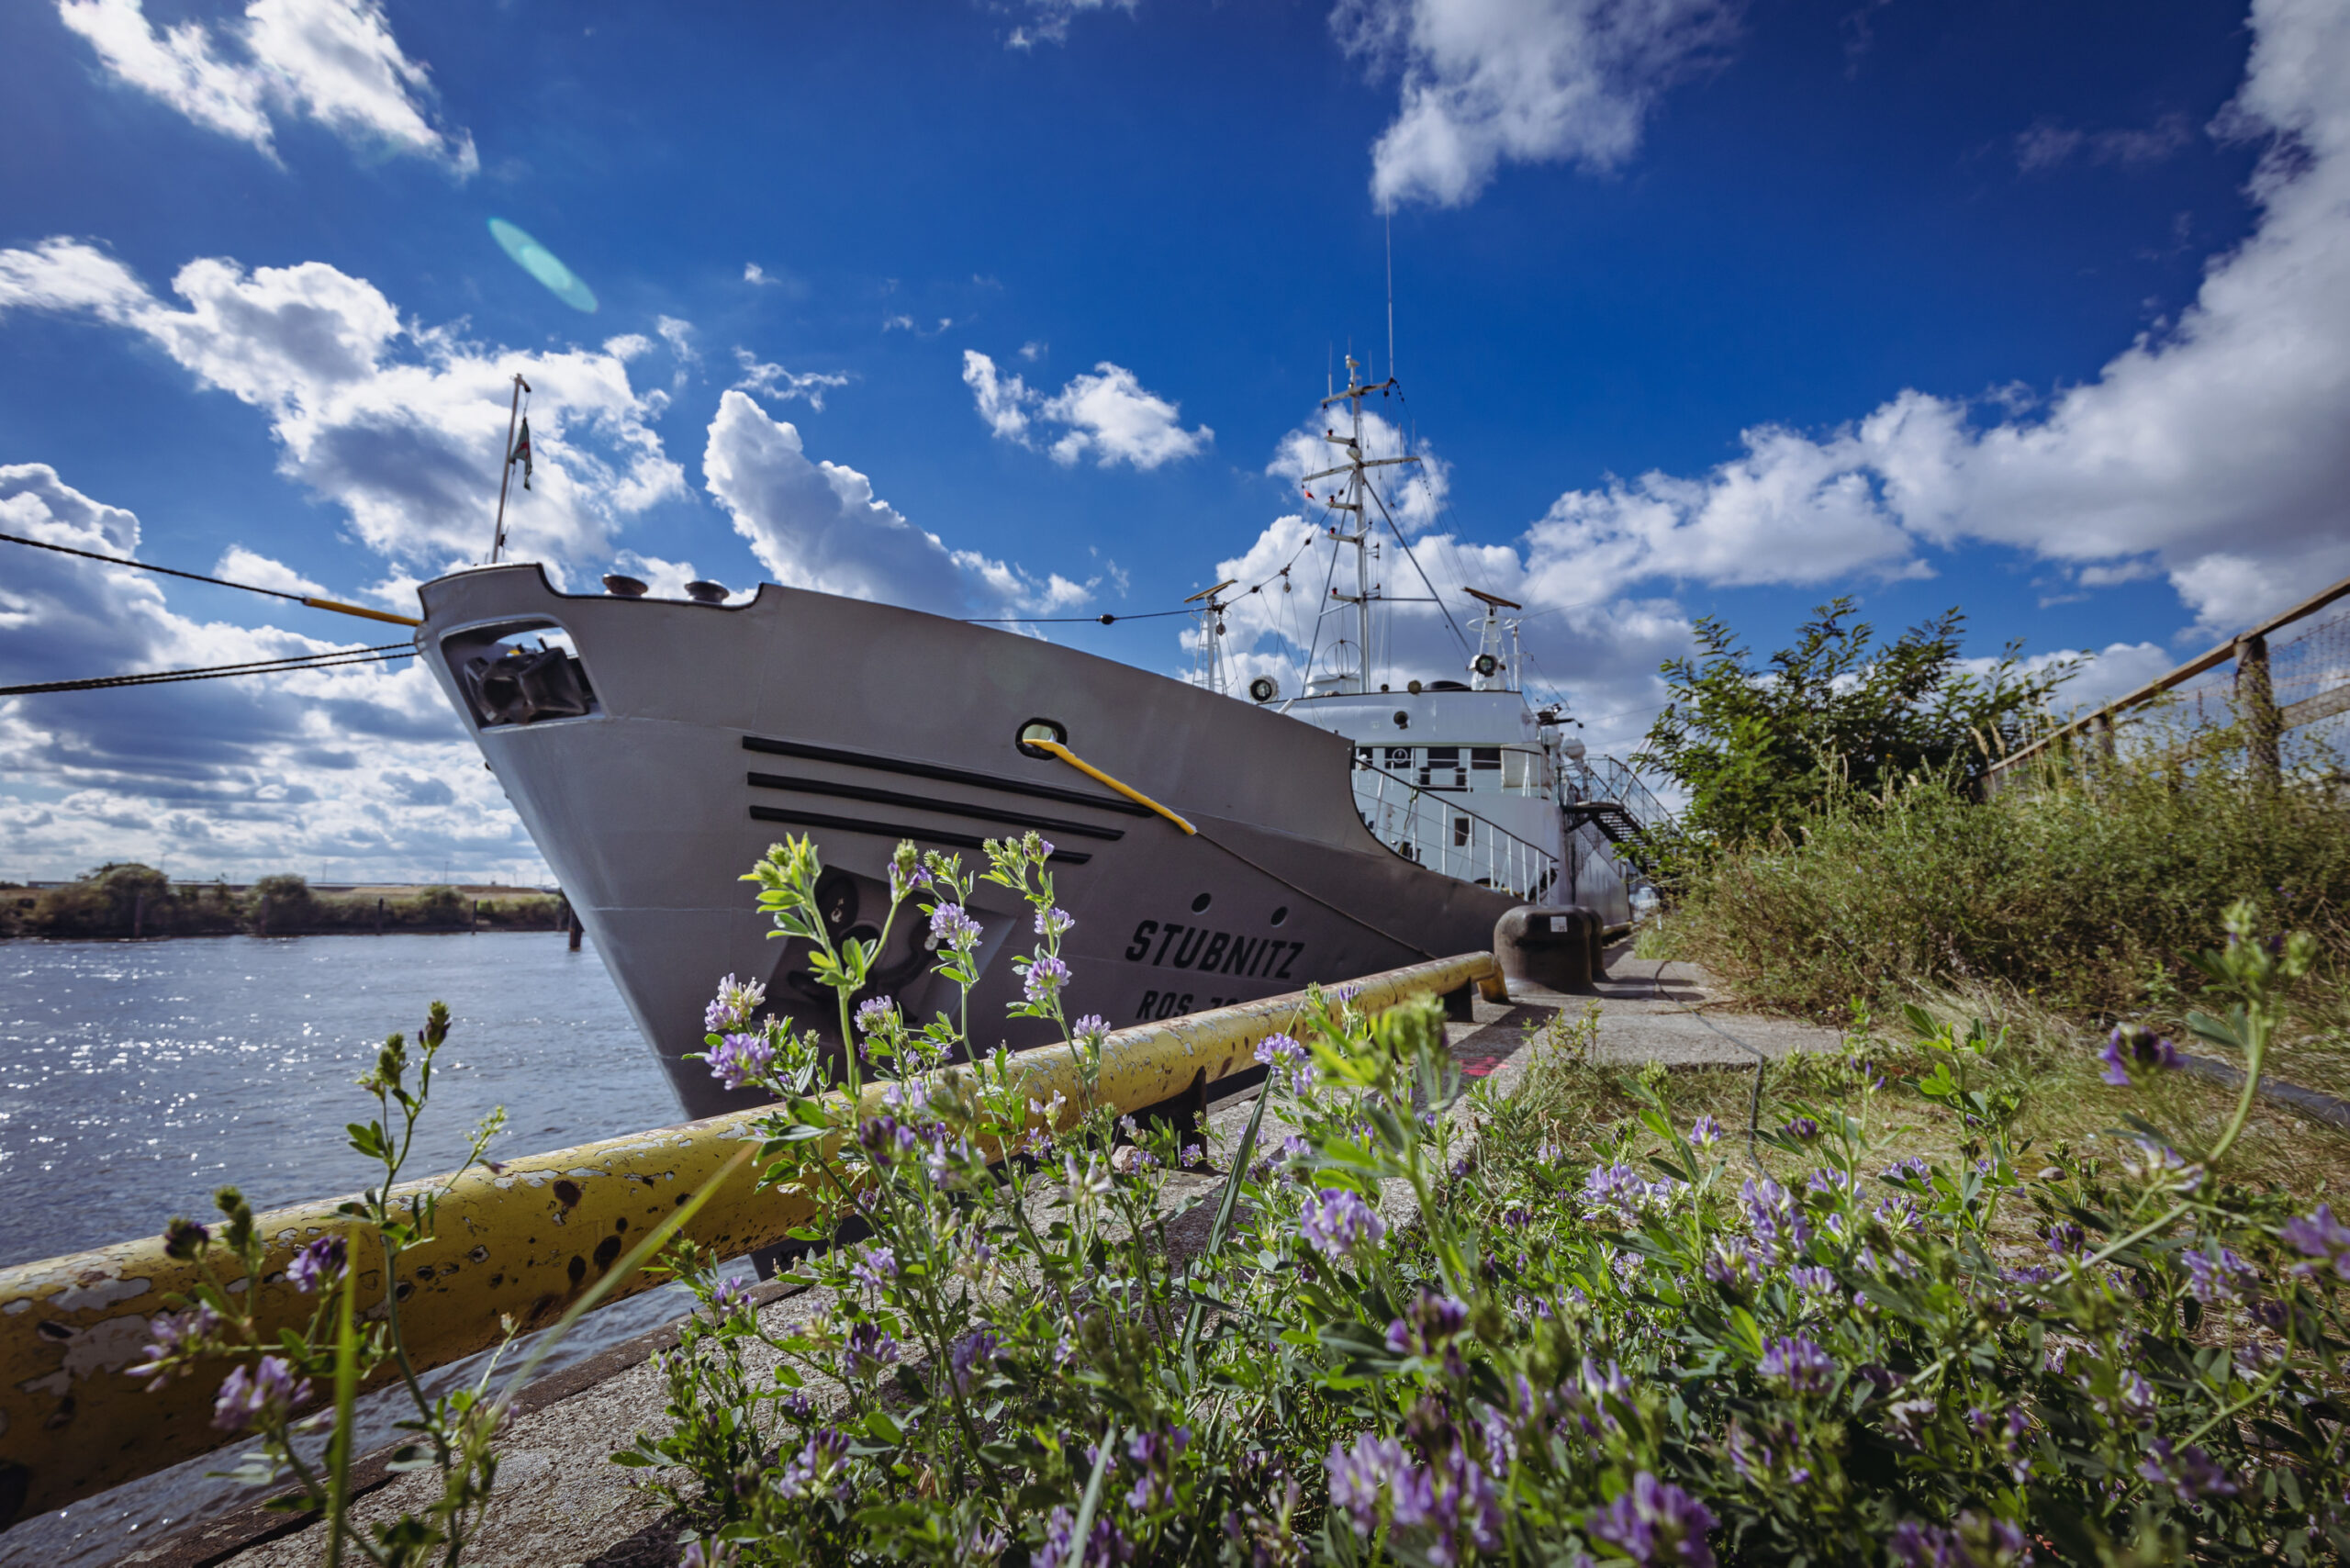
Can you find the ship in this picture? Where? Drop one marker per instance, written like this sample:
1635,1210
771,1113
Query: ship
1211,847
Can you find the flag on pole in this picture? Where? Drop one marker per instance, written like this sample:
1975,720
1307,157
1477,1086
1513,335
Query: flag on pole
521,452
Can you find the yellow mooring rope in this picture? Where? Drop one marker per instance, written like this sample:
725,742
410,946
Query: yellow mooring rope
1136,796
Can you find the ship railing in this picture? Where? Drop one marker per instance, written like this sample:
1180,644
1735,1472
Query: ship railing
1592,779
1518,772
1437,829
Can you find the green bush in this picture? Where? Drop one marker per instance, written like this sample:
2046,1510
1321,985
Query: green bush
2081,884
1757,749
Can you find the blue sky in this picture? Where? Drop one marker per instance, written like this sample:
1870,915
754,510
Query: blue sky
1700,308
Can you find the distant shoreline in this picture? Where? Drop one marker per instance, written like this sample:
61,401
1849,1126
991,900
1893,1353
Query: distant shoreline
134,903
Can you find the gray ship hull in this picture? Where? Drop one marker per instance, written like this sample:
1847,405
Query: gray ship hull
712,730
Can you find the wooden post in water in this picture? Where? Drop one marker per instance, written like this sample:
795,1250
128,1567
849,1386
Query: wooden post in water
2256,708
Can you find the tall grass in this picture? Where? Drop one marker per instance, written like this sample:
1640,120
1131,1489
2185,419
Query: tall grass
2082,887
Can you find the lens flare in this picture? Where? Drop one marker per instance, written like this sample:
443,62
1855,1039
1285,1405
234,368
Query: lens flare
541,263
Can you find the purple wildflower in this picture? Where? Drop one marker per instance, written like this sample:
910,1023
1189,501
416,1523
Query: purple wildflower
1340,1224
1831,1181
252,1394
2063,1238
1912,1172
875,1269
2211,1280
1757,1460
953,928
1287,1063
816,1464
318,1265
1093,1029
1105,1545
1358,1474
1731,1261
184,1238
1899,1214
2319,1234
2134,1045
1706,1132
1655,1522
1794,1360
718,1554
1154,1452
730,1297
741,1058
1617,1192
1915,1544
1433,1322
1803,1129
168,1334
1044,976
1813,1280
969,1355
2190,1471
733,1006
1052,922
874,1013
870,1348
1773,1215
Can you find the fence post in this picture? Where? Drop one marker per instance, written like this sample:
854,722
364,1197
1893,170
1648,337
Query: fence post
2256,707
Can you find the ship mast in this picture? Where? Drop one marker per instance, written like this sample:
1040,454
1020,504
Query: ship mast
1355,499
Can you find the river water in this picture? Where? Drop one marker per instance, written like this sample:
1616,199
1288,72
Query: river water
134,1078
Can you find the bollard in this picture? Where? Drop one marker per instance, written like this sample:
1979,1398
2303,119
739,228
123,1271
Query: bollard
1552,946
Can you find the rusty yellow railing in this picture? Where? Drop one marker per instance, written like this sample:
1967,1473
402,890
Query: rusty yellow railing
524,1240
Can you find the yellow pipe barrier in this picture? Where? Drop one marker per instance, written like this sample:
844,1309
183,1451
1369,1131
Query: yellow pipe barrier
525,1239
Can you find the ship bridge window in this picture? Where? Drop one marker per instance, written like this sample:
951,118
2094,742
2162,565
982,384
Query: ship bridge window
1485,758
1399,759
1524,769
1443,769
519,673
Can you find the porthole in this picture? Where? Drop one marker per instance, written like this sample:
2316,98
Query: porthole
1040,729
1280,914
1200,904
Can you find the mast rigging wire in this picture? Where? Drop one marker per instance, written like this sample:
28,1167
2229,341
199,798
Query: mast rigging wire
332,658
314,602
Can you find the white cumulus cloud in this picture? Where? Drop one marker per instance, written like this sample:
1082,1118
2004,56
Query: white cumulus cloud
1107,413
818,524
774,380
332,61
402,425
2212,447
238,565
361,770
1488,82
